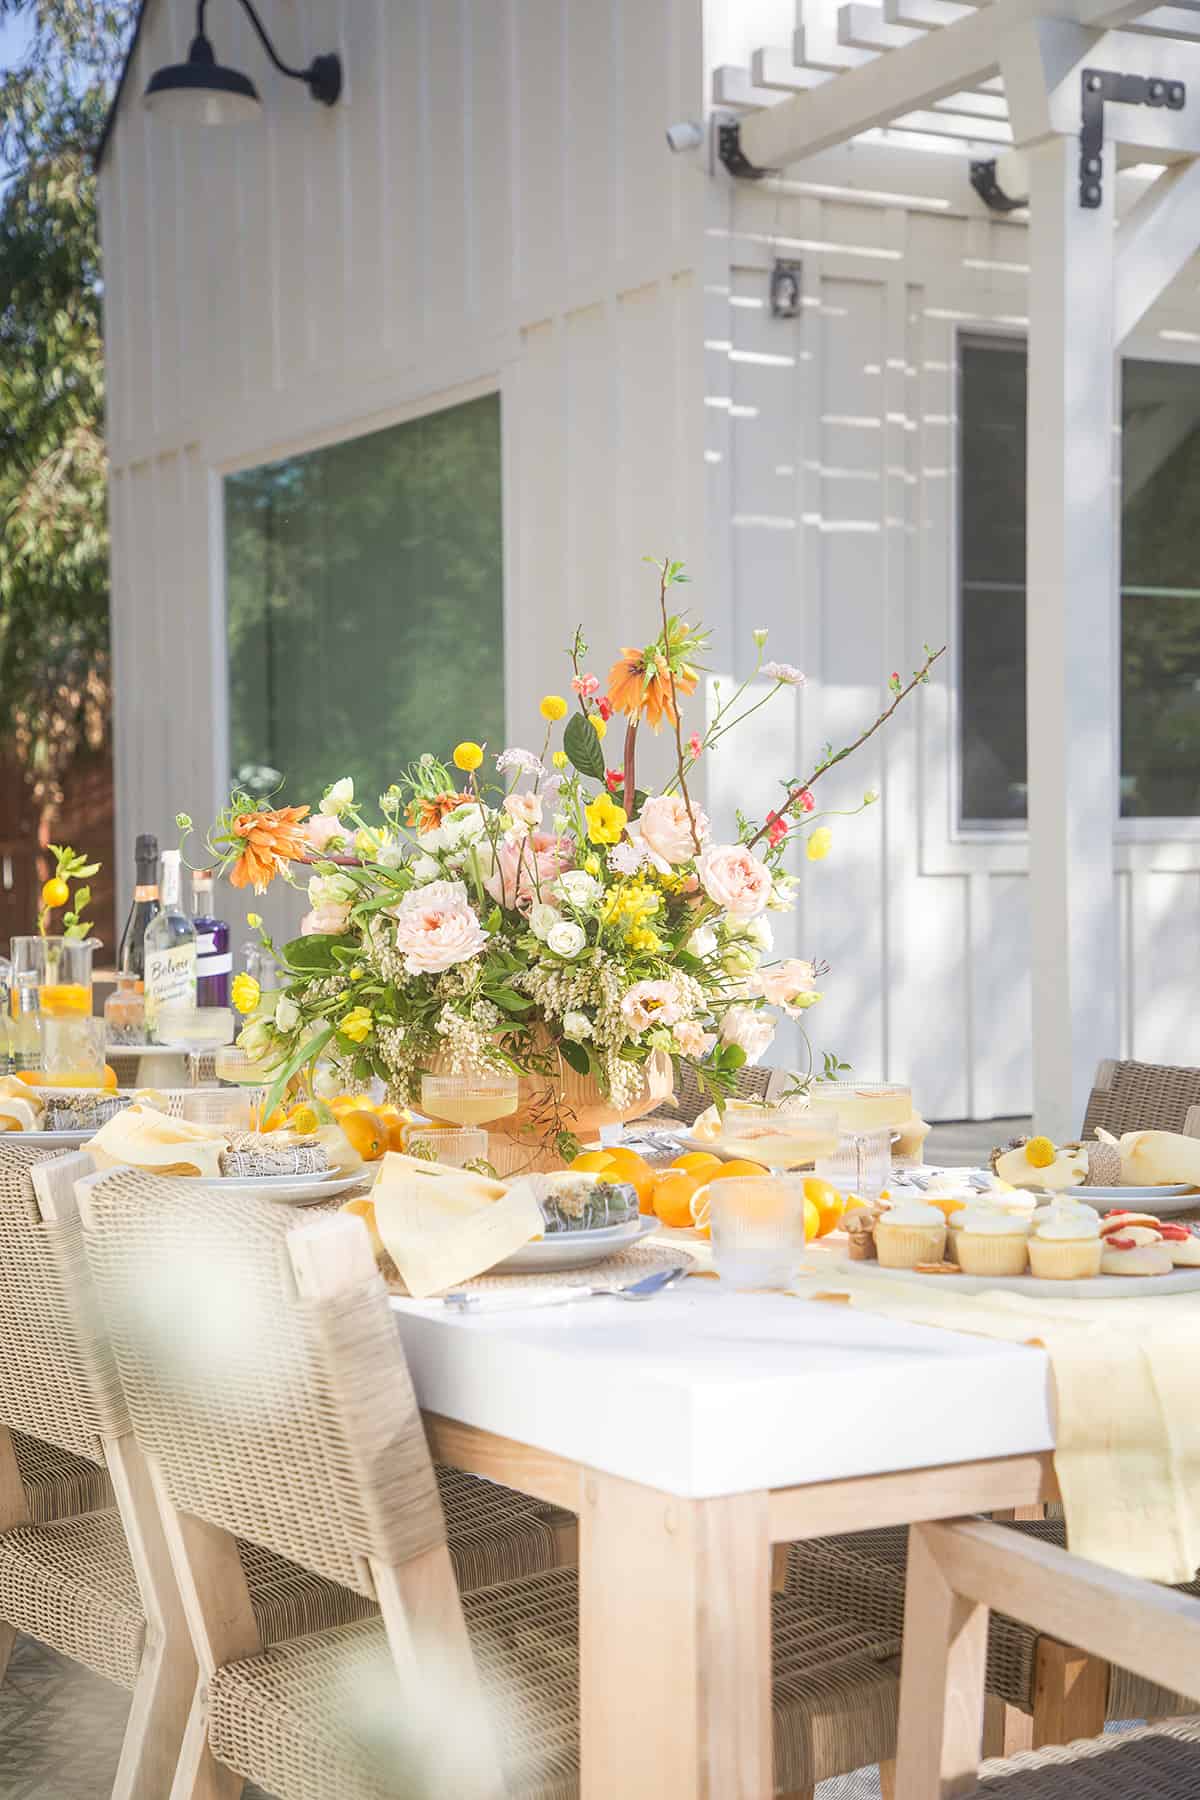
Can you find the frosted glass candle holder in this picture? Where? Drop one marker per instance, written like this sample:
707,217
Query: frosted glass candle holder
757,1229
454,1145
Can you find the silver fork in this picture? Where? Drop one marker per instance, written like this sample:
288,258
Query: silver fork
473,1304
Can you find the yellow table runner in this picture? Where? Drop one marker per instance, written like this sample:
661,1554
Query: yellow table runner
1127,1430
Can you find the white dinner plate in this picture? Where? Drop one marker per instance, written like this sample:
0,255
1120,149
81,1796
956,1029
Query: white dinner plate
293,1190
57,1140
1164,1202
1097,1287
574,1249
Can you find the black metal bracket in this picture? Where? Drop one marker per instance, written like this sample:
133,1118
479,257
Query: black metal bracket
983,180
729,149
1100,85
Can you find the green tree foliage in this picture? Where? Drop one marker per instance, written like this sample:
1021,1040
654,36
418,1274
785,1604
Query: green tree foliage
53,535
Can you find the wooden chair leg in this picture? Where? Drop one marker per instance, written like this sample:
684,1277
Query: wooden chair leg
158,1716
198,1774
1070,1698
779,1567
887,1779
8,1637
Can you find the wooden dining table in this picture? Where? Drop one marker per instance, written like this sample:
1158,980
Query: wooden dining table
692,1435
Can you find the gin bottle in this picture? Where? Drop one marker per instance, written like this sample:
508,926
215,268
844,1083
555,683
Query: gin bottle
170,953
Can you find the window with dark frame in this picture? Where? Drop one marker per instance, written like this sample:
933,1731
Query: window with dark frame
1160,586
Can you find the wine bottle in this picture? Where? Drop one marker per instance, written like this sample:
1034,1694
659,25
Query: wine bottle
143,908
214,964
170,952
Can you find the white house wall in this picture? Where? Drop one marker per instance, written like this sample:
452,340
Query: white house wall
490,204
831,445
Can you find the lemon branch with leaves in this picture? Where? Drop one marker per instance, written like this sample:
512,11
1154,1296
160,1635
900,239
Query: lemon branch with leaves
69,865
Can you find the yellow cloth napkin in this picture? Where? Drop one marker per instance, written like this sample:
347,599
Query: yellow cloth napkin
441,1226
1127,1451
147,1139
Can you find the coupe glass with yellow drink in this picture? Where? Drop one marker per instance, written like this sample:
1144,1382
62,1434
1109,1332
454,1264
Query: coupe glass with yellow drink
870,1113
470,1099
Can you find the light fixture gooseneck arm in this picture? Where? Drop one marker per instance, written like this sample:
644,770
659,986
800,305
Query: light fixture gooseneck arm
323,74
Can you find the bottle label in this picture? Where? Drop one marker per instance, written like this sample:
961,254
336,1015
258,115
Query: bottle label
170,977
213,964
206,943
146,893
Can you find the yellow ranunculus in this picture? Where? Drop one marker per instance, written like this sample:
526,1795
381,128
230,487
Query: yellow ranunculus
599,726
357,972
820,844
605,821
591,865
553,707
246,993
356,1025
467,756
559,759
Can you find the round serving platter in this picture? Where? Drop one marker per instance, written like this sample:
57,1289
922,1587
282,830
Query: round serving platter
1164,1202
1098,1287
574,1249
292,1190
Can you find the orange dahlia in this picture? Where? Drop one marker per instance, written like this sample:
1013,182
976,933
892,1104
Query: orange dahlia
428,810
270,839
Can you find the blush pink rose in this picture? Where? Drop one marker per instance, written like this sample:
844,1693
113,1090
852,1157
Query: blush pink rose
437,927
321,830
527,862
666,831
651,1003
525,809
749,1029
791,984
692,1038
735,879
324,920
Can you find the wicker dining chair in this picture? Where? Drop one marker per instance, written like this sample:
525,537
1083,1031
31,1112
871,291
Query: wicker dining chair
960,1570
1140,1096
269,1392
689,1099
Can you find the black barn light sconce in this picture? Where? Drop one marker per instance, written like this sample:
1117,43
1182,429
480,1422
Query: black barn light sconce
202,91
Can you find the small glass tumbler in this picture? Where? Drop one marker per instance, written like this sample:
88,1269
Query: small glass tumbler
72,1050
454,1145
757,1229
861,1164
469,1099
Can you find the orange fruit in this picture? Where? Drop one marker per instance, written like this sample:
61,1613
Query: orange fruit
628,1166
593,1162
274,1121
367,1133
55,892
812,1220
109,1078
395,1121
700,1207
698,1161
830,1204
738,1165
363,1207
673,1192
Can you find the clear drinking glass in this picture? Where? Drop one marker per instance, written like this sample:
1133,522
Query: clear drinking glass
781,1137
861,1164
870,1112
757,1229
469,1099
72,1050
453,1145
63,970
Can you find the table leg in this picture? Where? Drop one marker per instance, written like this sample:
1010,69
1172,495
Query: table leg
675,1644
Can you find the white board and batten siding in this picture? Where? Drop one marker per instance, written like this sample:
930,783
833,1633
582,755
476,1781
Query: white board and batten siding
492,205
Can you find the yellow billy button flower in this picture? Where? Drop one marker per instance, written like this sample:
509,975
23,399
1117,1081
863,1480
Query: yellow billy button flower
1040,1152
605,821
559,759
553,707
356,1025
599,726
467,756
246,993
820,844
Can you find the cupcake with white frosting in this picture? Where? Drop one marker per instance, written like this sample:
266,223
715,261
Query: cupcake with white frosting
1065,1244
910,1232
991,1242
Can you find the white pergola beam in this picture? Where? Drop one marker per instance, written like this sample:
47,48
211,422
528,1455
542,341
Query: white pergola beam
925,13
866,27
1043,64
899,81
773,68
1154,243
932,123
1071,634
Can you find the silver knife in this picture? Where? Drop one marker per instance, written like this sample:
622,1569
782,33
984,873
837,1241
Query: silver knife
462,1301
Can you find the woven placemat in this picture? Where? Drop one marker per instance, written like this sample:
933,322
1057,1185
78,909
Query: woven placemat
625,1266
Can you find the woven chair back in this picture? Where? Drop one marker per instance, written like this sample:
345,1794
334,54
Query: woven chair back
690,1099
288,1421
58,1380
1140,1096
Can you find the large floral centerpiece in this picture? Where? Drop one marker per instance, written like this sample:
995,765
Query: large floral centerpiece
537,909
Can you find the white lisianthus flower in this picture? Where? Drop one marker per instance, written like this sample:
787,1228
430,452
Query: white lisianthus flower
749,1029
338,798
542,919
755,932
783,894
578,888
425,868
703,941
566,939
330,890
739,958
576,1025
287,1013
390,856
256,1038
525,809
462,827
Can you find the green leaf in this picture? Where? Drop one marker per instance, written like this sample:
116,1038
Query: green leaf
307,1052
313,955
583,746
575,1056
509,999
